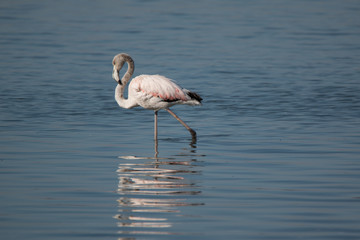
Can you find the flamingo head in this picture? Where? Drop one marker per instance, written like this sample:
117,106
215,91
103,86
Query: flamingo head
118,63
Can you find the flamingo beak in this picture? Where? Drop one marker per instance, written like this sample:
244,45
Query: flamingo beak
116,75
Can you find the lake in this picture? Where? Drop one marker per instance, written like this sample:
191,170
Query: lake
278,149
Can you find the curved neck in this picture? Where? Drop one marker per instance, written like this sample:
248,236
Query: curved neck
120,88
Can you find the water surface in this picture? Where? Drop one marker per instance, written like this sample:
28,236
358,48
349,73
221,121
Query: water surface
277,153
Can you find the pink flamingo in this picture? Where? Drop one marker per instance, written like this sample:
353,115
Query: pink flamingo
152,92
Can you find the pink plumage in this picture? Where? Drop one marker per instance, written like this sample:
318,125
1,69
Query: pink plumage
158,86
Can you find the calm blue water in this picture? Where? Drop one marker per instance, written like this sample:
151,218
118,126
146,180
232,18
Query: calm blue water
278,148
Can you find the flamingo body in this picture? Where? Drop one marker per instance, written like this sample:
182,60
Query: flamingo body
157,92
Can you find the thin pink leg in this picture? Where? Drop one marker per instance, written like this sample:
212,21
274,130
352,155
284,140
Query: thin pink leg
192,132
155,127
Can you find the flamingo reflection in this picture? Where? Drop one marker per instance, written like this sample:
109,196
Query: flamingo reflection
152,191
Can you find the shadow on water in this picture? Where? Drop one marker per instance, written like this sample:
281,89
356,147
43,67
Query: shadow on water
153,190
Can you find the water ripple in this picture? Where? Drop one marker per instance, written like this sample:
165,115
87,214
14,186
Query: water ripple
150,186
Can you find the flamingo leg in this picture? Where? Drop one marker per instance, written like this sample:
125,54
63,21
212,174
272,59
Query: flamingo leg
192,132
155,126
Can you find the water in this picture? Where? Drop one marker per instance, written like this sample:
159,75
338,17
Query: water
277,154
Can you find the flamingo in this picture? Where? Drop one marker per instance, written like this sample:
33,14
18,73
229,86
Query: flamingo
152,92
